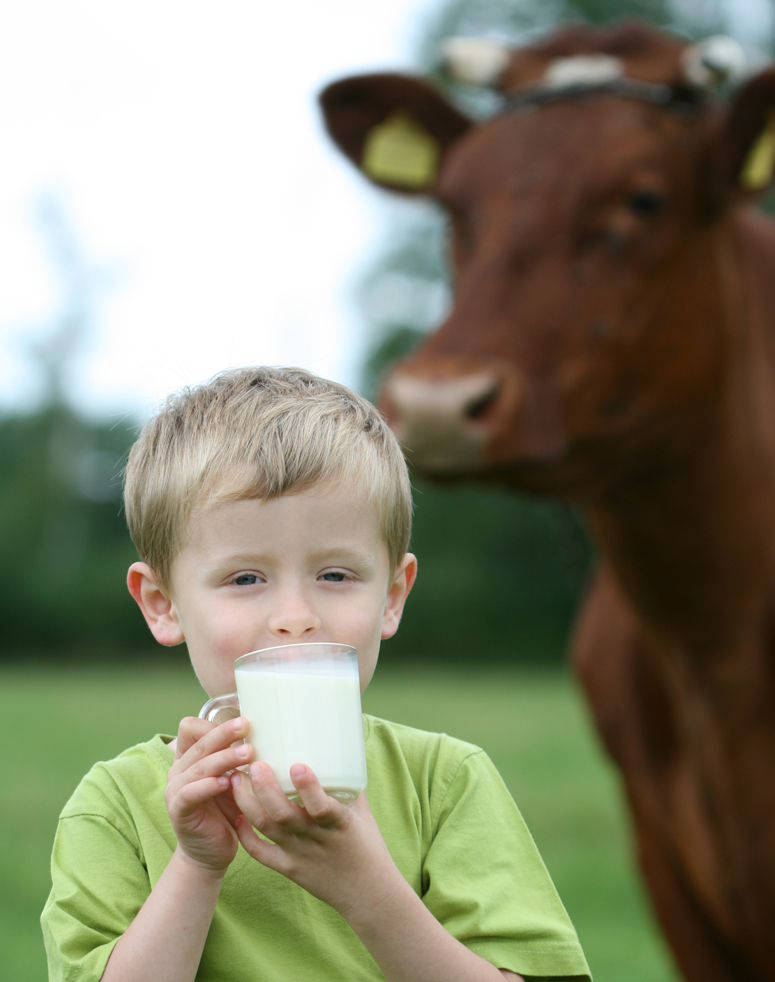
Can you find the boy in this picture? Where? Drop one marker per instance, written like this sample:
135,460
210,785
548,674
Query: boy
273,507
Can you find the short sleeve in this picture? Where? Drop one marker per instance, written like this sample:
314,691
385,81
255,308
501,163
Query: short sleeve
101,868
98,885
485,881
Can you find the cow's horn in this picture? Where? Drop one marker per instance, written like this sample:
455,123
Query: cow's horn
713,61
475,61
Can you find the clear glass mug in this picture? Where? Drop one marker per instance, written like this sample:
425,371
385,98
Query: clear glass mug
303,703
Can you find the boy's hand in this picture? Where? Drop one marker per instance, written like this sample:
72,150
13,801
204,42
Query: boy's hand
198,794
335,851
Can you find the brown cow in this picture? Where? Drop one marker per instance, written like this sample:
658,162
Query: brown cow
612,342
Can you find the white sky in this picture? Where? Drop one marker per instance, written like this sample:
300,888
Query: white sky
184,145
183,141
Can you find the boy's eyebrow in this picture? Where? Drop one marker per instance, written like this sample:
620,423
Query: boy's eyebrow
334,554
352,556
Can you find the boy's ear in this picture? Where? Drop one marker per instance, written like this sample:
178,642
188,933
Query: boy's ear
403,581
155,603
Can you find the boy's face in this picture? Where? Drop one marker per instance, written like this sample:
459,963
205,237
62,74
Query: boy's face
254,574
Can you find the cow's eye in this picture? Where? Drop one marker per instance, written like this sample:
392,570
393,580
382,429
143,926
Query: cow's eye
646,202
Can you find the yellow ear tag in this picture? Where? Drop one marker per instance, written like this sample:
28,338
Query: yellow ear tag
759,166
399,151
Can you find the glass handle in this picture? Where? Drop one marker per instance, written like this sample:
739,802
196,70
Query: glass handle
214,706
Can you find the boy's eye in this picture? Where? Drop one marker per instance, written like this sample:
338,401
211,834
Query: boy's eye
246,579
334,576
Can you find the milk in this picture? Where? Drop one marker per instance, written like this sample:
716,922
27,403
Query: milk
307,713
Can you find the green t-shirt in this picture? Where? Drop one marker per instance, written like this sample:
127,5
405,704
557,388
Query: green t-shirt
446,817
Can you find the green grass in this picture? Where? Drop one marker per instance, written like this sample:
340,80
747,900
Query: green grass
56,722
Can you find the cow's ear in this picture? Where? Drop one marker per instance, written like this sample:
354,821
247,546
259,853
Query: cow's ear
745,164
395,129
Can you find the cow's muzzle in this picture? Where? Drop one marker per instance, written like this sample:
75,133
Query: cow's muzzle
443,423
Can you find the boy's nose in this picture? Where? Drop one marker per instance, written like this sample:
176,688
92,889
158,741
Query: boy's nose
293,617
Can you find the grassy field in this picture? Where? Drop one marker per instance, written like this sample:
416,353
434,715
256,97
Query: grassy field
56,723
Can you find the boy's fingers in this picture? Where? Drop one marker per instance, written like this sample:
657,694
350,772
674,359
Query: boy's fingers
190,796
212,765
285,813
251,806
326,811
190,730
267,853
228,807
198,742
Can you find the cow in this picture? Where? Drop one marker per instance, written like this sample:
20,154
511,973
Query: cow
612,343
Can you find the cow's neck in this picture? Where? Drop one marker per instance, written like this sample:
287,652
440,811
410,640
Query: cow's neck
691,547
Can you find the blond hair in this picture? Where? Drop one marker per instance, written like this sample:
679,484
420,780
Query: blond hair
259,433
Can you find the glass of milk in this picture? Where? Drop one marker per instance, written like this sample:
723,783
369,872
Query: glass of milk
303,702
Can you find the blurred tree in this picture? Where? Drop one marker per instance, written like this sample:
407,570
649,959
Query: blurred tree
501,574
63,540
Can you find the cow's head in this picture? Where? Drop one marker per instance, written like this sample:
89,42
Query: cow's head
585,224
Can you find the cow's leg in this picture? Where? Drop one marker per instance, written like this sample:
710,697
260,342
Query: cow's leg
633,716
699,950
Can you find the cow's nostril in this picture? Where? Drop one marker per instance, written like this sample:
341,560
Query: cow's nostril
477,407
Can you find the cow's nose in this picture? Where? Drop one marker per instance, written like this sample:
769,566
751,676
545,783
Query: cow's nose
441,421
484,395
